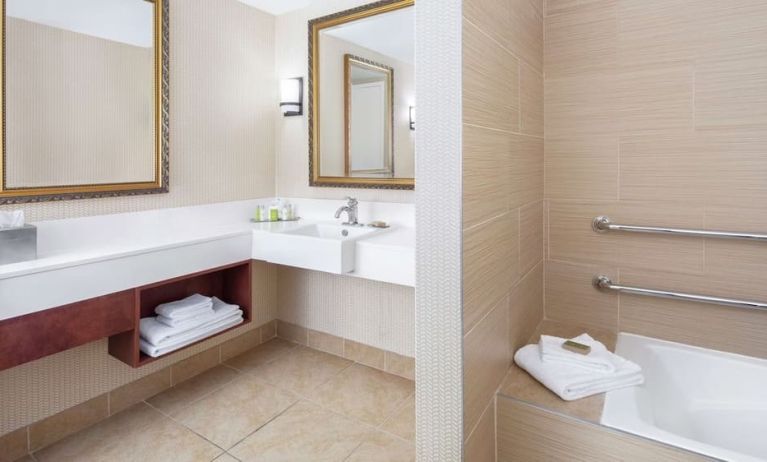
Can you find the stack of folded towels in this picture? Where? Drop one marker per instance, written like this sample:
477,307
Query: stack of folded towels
573,375
184,322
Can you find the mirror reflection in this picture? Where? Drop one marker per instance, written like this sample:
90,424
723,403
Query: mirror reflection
364,91
80,90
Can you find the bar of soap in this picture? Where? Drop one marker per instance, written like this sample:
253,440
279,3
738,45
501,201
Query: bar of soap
378,224
576,347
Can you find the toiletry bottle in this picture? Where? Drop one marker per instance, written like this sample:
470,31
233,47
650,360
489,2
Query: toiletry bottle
257,213
274,213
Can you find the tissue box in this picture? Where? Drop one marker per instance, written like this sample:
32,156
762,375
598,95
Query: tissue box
18,244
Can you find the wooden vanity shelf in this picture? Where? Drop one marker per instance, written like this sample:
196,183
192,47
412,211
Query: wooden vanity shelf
231,283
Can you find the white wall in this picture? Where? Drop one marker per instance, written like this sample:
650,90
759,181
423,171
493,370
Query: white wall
292,143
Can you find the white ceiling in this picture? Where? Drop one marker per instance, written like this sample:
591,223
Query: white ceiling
391,34
277,7
125,21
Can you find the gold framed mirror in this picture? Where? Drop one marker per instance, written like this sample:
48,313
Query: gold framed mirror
85,99
362,97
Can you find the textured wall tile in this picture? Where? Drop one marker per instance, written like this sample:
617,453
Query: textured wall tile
486,171
480,445
525,308
491,82
530,236
531,100
526,170
486,359
146,387
572,299
325,342
582,167
52,429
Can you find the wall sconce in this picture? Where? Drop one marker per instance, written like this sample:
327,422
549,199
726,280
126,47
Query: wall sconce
292,97
412,117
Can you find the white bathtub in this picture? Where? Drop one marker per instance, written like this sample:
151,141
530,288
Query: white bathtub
706,401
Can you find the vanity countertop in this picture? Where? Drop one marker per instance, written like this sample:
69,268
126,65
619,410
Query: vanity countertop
88,257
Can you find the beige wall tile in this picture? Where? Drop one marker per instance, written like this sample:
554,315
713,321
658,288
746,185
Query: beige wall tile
655,100
197,364
572,239
486,183
530,236
581,105
526,308
490,16
292,332
526,170
553,7
146,387
268,331
581,40
527,433
490,82
325,342
709,326
480,445
582,167
241,344
364,354
402,366
732,92
531,100
525,31
13,445
572,299
486,358
490,266
713,168
54,428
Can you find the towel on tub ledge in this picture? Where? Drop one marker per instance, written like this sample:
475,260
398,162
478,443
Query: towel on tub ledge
599,358
574,382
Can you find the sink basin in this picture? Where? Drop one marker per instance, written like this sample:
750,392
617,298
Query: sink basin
332,231
327,247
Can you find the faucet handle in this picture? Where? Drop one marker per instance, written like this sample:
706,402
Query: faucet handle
352,201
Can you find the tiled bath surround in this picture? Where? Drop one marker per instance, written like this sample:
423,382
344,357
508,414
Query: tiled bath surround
502,200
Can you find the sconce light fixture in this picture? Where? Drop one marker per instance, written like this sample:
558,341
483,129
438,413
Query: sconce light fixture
292,97
412,117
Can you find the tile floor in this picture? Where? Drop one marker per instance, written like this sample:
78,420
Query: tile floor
277,402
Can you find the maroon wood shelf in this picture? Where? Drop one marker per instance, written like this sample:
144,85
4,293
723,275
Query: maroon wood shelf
231,283
36,335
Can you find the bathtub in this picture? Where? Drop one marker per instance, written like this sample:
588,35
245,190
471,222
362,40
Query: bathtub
705,401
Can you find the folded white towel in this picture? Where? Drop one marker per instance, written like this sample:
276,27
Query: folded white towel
194,305
598,359
190,337
573,382
219,309
158,334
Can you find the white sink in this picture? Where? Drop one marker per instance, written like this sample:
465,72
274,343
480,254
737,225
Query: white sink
325,247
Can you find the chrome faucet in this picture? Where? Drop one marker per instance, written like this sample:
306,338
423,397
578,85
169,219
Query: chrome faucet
351,210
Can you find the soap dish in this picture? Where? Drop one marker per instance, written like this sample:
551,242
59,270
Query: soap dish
378,224
253,220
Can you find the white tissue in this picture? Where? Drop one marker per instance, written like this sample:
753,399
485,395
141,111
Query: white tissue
12,219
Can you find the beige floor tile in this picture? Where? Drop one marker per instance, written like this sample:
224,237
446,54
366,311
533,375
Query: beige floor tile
173,400
225,458
304,432
139,433
402,422
364,393
302,370
260,355
228,415
380,447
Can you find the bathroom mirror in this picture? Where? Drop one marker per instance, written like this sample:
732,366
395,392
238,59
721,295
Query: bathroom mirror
85,99
362,97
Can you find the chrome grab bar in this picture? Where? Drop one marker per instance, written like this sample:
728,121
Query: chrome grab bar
604,283
603,224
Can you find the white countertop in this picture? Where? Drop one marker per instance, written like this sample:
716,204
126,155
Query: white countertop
122,251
